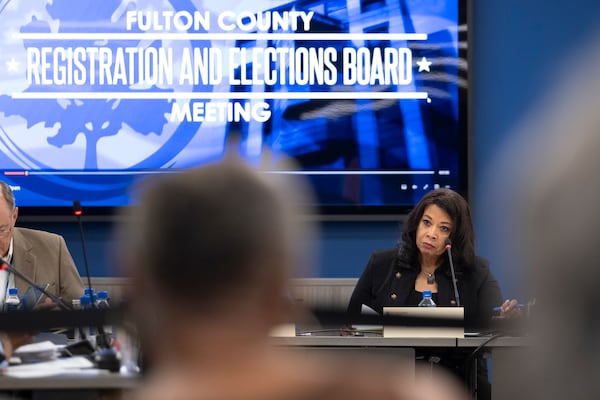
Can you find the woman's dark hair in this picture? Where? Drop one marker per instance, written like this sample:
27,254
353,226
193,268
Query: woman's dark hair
462,236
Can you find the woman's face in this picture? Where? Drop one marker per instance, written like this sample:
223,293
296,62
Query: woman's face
433,230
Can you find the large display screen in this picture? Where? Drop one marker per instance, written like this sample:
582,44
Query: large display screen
369,96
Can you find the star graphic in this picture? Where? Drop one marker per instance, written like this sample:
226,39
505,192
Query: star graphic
13,65
424,64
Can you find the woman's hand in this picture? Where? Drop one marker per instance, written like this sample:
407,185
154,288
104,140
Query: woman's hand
511,309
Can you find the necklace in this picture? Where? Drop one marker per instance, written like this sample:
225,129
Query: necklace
430,278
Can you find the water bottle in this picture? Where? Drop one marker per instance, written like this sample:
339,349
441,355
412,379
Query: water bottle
89,292
87,305
76,304
102,300
102,303
12,302
427,301
84,302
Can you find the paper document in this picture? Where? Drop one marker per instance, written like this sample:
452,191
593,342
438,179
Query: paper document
70,365
36,352
366,310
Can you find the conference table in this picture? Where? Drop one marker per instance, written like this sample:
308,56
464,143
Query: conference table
505,352
502,351
92,380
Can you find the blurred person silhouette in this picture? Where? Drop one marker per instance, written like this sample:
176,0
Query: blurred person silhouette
210,251
398,276
546,179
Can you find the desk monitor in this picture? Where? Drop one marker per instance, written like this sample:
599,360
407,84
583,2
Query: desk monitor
451,314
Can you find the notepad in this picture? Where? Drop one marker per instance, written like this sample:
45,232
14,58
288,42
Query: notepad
442,313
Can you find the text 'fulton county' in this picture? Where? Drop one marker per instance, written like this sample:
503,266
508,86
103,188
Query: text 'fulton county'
226,21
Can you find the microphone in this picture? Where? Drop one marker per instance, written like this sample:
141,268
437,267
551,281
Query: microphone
5,266
78,212
448,244
105,358
102,339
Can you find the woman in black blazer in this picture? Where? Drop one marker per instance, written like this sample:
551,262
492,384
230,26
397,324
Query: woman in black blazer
398,276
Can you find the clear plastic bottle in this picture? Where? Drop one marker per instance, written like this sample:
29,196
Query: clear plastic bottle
102,299
77,332
86,305
103,303
12,302
427,301
84,302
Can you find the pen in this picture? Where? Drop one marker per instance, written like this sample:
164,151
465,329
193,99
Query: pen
499,308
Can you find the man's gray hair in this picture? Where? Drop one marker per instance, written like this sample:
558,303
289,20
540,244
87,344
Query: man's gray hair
8,195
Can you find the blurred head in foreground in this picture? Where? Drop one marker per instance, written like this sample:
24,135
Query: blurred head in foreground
210,251
218,241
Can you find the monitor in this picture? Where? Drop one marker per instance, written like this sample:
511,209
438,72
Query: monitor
368,96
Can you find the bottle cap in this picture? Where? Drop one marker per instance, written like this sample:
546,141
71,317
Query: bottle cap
103,294
426,293
13,291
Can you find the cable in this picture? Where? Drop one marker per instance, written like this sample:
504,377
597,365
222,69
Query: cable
482,345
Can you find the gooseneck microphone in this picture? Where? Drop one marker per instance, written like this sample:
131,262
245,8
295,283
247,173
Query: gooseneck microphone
448,244
5,266
105,358
78,211
103,339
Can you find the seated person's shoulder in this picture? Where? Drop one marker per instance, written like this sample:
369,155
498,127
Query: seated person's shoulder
481,264
384,254
36,234
481,269
381,260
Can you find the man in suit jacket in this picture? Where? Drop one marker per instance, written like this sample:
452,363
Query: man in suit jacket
41,256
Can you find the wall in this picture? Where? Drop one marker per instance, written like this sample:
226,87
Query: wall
519,48
516,49
344,247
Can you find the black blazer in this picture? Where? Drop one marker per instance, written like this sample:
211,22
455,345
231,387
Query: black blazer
388,282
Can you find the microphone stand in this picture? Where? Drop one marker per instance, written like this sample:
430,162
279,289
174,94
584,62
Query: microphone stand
5,266
105,357
78,211
448,244
103,339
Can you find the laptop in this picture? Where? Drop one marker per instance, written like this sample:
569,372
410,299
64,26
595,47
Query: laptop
441,314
